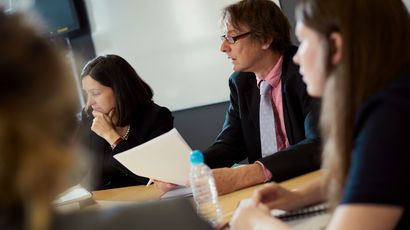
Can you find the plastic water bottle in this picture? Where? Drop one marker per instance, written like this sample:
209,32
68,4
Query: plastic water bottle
203,189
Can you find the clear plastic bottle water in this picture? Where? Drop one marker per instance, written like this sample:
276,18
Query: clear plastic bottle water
203,189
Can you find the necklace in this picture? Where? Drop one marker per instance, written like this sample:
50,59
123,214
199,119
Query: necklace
125,136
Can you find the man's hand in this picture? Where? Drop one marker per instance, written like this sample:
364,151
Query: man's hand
163,186
231,179
228,180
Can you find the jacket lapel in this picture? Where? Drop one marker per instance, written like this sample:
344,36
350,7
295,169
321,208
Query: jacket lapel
252,99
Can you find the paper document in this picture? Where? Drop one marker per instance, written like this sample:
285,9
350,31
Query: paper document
164,158
73,194
180,191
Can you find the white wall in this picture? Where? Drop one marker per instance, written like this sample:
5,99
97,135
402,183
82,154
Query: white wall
172,44
407,3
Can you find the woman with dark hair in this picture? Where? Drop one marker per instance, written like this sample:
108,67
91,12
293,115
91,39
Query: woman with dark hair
119,115
356,55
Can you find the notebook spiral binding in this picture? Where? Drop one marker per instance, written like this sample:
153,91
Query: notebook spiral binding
306,212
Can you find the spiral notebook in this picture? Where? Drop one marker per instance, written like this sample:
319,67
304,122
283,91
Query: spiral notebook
314,217
309,211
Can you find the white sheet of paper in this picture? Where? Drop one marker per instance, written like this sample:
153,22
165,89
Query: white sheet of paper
73,194
164,158
181,191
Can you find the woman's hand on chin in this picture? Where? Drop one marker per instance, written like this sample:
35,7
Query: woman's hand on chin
103,126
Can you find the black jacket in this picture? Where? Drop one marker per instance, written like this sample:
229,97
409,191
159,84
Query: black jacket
240,135
151,122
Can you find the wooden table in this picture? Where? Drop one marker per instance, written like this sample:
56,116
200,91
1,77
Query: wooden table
228,202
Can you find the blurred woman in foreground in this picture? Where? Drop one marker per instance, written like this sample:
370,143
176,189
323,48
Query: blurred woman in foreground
37,118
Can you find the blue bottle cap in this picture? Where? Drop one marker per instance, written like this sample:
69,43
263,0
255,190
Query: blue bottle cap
196,157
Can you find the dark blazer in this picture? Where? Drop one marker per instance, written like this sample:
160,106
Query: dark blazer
240,135
151,122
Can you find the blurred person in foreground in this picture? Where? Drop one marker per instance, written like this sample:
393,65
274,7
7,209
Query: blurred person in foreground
356,55
37,116
37,122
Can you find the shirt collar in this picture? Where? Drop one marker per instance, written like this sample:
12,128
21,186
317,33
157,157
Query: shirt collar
274,76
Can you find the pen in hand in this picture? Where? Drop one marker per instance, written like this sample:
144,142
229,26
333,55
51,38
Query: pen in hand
149,182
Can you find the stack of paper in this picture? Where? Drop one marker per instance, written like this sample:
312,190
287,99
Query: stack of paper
73,194
70,199
180,191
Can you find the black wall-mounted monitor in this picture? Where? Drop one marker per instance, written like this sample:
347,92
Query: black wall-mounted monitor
61,17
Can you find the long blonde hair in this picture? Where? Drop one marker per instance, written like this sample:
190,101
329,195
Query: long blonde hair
375,36
36,117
